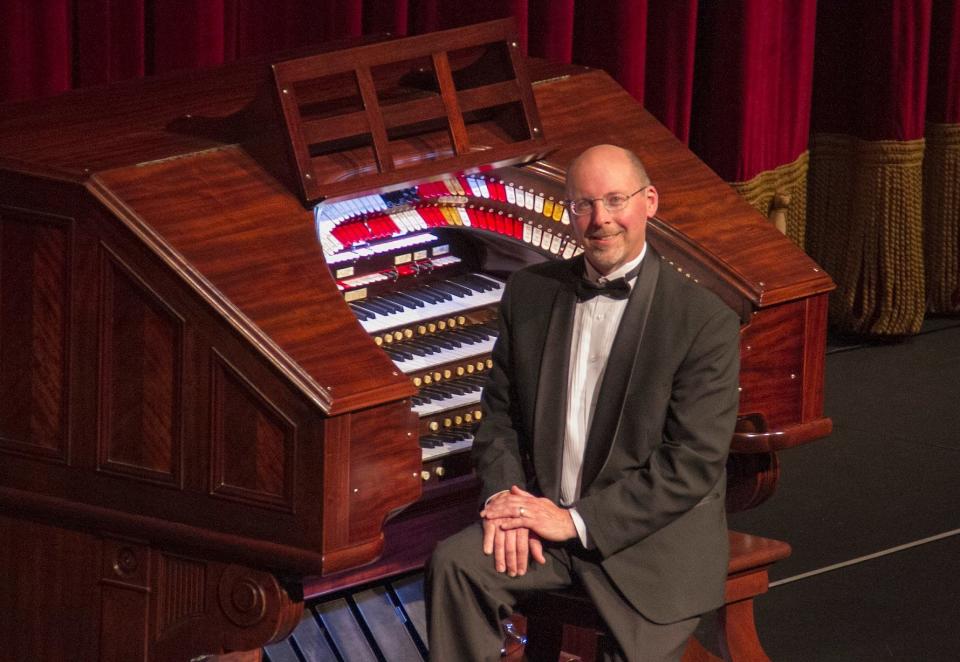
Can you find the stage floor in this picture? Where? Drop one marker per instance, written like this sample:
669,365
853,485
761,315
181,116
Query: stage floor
872,512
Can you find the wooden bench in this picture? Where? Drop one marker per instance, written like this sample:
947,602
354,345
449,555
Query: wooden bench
564,627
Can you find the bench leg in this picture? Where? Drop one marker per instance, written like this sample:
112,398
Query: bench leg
738,632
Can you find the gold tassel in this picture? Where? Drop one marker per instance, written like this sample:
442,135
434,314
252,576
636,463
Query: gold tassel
789,182
864,227
941,217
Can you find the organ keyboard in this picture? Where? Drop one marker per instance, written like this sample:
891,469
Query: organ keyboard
410,281
245,314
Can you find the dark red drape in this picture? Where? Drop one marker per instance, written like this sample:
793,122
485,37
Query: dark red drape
671,41
943,100
48,47
871,68
35,48
753,60
753,85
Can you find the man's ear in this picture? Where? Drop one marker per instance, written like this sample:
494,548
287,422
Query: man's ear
652,199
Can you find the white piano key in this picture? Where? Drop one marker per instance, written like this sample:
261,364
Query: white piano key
446,449
456,305
461,353
453,402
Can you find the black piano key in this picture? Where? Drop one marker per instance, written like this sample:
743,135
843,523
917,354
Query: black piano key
455,388
403,299
345,632
411,300
425,295
422,344
373,307
451,435
456,290
386,625
475,284
466,338
444,342
392,303
483,281
412,349
433,394
396,352
470,332
360,313
437,291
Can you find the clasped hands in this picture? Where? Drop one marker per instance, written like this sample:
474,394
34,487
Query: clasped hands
514,525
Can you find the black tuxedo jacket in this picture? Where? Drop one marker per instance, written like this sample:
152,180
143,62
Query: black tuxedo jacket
652,494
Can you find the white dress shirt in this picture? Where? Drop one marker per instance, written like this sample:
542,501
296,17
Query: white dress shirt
594,327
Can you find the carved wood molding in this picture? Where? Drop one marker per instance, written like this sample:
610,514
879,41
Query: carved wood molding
158,606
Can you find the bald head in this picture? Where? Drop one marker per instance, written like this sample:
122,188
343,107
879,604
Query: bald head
610,156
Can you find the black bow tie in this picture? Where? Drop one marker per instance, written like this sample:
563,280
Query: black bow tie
615,289
618,288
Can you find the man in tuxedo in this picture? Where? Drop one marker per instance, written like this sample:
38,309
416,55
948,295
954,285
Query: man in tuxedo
608,415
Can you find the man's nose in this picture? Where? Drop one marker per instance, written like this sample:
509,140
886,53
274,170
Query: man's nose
598,213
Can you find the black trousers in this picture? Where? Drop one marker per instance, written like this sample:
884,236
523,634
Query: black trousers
467,599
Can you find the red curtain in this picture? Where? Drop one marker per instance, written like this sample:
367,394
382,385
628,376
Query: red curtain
753,86
871,68
943,100
50,46
35,48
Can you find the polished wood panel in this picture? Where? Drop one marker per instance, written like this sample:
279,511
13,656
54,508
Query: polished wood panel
141,364
50,574
253,445
34,319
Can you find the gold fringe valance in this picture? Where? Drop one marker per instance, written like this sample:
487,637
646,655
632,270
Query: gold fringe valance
941,217
788,183
864,226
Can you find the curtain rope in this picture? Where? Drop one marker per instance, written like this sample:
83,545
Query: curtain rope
864,223
941,217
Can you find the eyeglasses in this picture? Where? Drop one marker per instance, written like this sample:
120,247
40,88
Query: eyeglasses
611,202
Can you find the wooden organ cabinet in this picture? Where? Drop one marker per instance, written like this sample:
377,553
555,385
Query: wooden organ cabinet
233,301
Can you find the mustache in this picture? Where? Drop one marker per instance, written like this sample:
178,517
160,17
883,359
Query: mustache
601,235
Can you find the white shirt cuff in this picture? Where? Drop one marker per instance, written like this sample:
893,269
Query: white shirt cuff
490,498
581,527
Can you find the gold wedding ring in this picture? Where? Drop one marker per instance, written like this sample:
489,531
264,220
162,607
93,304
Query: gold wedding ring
521,511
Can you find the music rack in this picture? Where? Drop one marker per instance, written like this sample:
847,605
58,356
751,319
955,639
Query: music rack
473,106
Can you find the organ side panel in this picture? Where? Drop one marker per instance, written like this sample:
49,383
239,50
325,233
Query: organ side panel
35,270
135,404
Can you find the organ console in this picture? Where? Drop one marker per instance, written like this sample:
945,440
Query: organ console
246,314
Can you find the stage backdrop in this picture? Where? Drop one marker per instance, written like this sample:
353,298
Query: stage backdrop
844,114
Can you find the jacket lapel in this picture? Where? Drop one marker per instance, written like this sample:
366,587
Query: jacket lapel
619,370
549,420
